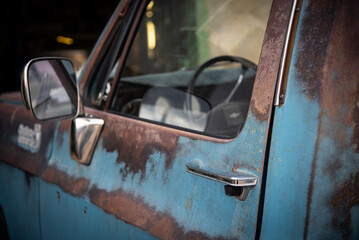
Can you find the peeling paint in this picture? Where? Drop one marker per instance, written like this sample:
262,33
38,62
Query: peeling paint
29,154
317,126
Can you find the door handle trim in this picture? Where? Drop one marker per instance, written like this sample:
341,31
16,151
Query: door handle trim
234,178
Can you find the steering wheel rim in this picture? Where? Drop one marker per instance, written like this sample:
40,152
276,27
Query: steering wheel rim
224,58
245,63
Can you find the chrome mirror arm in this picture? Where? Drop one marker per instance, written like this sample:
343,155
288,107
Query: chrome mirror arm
84,134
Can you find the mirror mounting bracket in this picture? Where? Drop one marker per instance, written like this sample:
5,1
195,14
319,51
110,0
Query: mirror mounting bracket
84,134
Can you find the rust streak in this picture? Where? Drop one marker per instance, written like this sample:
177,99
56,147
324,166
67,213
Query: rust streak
133,210
135,143
355,117
332,73
312,178
264,85
327,66
310,64
343,200
75,186
124,206
314,32
187,205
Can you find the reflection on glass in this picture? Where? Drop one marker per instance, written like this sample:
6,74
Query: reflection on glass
49,97
175,107
204,50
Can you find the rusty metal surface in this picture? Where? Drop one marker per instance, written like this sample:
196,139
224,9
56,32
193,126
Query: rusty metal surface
135,142
138,170
124,206
12,115
336,26
137,152
315,134
264,85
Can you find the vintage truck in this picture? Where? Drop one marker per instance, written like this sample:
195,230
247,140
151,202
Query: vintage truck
191,120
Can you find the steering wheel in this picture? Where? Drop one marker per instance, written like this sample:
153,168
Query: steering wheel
225,58
246,64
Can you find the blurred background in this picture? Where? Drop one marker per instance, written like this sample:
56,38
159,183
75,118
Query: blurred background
36,28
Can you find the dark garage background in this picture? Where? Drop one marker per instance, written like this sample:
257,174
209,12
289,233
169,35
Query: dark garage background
32,29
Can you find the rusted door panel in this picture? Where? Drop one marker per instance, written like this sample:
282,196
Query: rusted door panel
70,217
313,175
138,175
25,147
24,142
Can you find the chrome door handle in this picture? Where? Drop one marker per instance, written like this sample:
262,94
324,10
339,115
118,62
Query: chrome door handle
237,179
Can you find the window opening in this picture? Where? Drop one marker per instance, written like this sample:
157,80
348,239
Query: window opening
192,64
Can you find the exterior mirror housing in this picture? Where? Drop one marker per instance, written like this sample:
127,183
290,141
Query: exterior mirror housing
49,88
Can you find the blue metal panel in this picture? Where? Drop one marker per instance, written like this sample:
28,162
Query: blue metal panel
289,171
67,217
313,173
137,174
19,201
195,203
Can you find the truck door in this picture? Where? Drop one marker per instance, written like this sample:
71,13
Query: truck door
185,90
313,166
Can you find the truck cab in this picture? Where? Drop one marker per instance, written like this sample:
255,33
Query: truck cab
191,120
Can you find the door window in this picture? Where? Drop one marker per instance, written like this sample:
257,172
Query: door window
192,65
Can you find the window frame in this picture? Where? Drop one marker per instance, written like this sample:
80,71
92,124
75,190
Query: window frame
267,65
112,40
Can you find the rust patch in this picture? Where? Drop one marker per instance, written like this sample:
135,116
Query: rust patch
327,66
135,143
343,200
339,86
355,117
329,69
313,43
266,77
64,125
75,186
332,167
312,177
11,116
133,210
63,128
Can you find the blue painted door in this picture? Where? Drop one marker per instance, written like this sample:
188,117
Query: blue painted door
136,185
312,182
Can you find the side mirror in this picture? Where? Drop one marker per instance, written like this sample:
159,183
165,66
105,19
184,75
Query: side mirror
49,88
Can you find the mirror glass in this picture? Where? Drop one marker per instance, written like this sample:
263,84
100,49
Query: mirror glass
52,88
